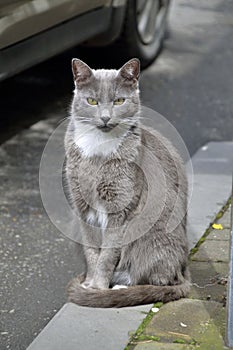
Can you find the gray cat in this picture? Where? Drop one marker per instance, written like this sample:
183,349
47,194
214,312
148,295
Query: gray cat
128,185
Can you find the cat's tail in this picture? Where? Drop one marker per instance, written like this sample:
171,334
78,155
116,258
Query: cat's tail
131,296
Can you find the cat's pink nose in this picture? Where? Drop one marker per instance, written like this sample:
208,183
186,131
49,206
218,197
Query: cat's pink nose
105,119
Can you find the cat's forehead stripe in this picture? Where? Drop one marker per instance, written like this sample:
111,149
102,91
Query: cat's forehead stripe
105,80
105,74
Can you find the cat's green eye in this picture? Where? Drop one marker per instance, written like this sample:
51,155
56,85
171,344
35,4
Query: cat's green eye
92,101
119,101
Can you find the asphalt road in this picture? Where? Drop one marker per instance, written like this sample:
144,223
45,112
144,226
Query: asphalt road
190,83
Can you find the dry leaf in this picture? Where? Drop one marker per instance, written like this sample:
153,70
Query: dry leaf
155,309
183,324
217,226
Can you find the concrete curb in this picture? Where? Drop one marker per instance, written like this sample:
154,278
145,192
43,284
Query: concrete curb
212,167
76,327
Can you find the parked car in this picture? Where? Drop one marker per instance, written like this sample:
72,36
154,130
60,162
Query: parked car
32,31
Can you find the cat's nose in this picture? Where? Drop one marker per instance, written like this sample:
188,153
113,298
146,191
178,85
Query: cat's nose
105,119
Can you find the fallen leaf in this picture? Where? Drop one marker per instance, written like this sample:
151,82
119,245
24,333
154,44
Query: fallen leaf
217,226
183,324
155,309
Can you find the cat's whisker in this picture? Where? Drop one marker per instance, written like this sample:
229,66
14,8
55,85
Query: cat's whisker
144,118
122,125
83,118
85,121
62,120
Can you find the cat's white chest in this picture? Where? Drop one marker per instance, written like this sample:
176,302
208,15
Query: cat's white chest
94,142
98,217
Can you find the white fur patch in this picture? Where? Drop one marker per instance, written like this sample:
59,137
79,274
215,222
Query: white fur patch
91,217
119,286
100,216
93,141
121,278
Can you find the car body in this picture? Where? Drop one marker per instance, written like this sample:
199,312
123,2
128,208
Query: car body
32,31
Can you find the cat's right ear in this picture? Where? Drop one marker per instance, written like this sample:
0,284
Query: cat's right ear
130,71
81,71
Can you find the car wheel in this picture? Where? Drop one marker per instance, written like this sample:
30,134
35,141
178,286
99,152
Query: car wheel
144,29
142,36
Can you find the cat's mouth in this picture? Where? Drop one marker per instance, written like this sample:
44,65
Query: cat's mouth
106,128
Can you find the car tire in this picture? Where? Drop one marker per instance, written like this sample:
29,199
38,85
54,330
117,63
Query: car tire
132,41
144,30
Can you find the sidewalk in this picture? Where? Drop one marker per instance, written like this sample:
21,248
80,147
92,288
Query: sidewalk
199,321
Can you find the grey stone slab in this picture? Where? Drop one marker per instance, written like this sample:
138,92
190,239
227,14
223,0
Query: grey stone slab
219,235
75,327
217,251
208,280
165,346
225,220
201,319
212,166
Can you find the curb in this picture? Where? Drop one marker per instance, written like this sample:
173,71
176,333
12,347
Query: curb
212,168
79,327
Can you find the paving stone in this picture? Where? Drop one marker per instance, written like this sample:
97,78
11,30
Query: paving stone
75,327
225,220
221,235
203,207
208,276
211,187
202,319
212,250
161,346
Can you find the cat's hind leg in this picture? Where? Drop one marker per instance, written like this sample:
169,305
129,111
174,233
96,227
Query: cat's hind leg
120,279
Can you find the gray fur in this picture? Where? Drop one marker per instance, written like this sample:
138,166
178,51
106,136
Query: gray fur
133,232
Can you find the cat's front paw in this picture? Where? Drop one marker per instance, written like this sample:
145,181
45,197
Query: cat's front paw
99,284
87,283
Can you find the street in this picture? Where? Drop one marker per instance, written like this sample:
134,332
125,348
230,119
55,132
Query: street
190,84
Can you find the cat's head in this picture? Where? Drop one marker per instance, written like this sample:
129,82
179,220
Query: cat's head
106,99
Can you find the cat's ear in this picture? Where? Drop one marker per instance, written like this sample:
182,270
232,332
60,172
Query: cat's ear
131,70
81,71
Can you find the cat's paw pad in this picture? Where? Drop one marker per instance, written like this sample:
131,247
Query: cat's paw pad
119,286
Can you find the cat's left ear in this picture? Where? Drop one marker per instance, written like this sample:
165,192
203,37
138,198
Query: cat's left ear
81,71
131,70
